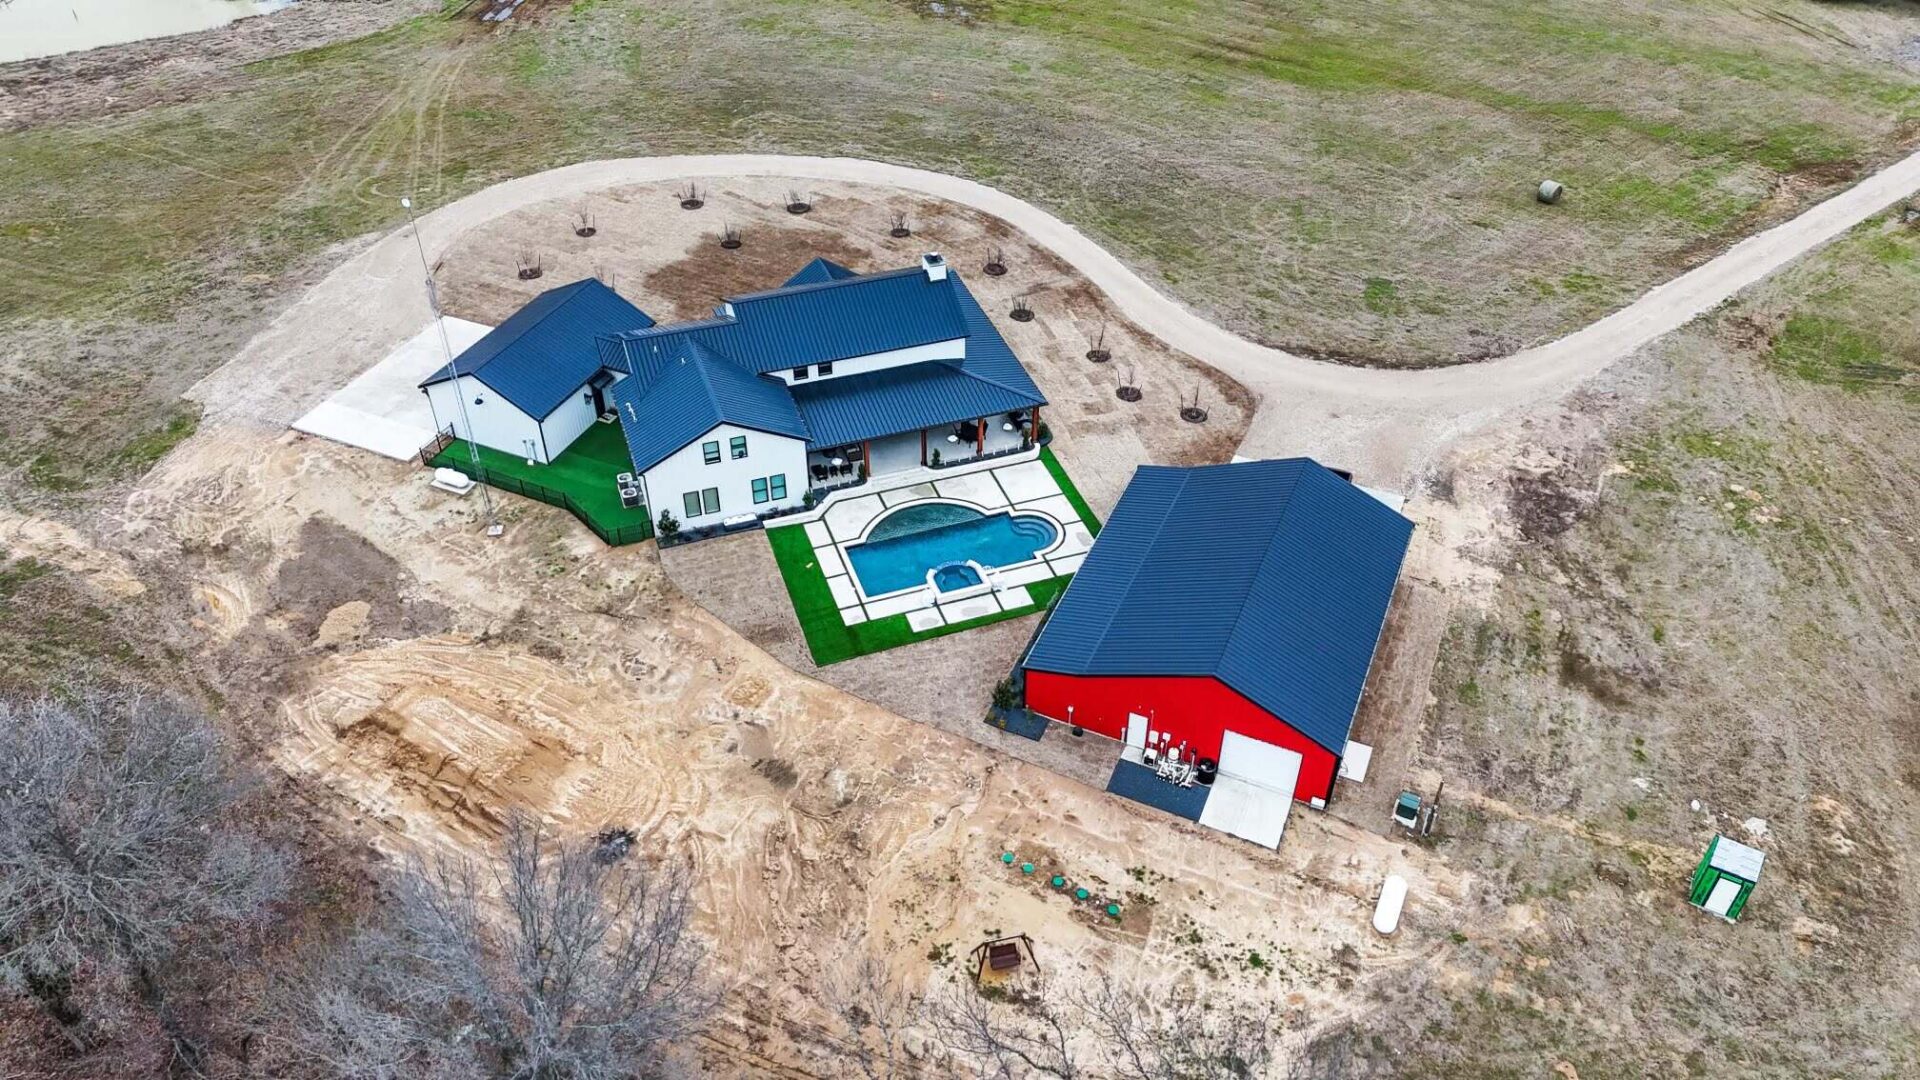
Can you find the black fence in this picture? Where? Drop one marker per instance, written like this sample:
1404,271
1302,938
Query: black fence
618,536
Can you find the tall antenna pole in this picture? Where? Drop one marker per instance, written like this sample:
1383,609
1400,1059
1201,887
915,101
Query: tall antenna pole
459,395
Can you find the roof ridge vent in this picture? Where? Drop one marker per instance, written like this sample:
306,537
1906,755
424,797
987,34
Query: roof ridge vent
935,265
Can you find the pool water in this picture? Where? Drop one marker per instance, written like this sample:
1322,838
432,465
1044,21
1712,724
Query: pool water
909,542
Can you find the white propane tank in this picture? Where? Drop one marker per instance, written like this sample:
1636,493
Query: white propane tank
1393,896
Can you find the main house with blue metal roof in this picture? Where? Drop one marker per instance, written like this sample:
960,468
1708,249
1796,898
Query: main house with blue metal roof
1231,613
830,378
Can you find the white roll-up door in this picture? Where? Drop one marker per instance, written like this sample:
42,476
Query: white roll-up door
1253,793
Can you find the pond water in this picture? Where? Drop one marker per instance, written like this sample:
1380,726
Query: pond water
912,540
34,28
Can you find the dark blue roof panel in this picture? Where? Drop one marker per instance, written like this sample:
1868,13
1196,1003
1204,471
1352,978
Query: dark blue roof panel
826,321
1272,576
817,271
547,350
691,393
849,408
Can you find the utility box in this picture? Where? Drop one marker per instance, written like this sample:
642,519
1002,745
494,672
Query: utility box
1725,878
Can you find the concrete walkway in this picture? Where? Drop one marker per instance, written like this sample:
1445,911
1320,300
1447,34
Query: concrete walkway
1386,425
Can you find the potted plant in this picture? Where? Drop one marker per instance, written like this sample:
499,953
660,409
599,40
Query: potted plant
668,525
936,457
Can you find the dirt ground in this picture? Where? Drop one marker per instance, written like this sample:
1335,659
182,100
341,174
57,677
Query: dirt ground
669,262
428,679
425,679
1690,580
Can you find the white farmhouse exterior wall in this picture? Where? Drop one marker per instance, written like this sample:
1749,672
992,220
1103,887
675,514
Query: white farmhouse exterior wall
686,470
953,349
566,422
496,422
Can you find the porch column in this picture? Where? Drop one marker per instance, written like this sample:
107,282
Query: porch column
923,448
1036,426
866,458
980,433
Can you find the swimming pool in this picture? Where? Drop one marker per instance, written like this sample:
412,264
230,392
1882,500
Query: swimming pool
941,537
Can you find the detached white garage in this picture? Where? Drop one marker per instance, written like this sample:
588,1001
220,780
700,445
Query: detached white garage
1253,791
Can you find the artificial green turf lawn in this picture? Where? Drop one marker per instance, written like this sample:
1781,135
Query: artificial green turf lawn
830,640
1072,493
585,471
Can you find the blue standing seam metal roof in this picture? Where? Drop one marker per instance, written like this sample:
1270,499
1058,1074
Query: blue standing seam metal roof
692,393
873,404
1272,576
657,409
817,271
548,349
824,321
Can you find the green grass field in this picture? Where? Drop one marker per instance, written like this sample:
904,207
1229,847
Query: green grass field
1351,179
584,473
1324,152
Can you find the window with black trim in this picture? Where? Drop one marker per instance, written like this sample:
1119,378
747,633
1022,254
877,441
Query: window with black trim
826,368
711,451
799,373
691,503
738,444
759,489
711,496
779,482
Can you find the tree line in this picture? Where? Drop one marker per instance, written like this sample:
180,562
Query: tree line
152,922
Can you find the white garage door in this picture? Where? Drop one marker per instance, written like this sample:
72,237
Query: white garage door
1254,790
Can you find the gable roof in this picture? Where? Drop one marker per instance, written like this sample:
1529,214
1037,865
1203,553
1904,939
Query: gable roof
693,392
823,321
872,404
545,351
1272,576
817,271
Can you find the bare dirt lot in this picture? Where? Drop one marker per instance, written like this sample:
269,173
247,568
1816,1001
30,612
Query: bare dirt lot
464,677
1692,580
669,262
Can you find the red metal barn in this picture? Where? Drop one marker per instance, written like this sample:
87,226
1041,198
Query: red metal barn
1232,608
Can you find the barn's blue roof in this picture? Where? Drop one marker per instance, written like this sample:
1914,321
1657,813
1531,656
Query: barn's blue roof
824,321
817,271
689,394
545,351
1272,576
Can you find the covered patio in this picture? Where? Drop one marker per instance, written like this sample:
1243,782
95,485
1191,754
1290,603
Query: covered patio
839,466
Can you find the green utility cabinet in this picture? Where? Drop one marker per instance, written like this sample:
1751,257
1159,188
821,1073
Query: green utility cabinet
1725,878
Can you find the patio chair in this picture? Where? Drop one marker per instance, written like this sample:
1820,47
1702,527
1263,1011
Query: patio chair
820,472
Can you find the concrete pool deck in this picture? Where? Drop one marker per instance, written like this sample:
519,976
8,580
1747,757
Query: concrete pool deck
1024,487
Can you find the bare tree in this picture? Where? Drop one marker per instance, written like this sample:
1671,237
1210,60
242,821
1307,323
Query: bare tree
1007,1034
882,1016
362,1007
552,965
120,847
1178,1037
1105,1029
